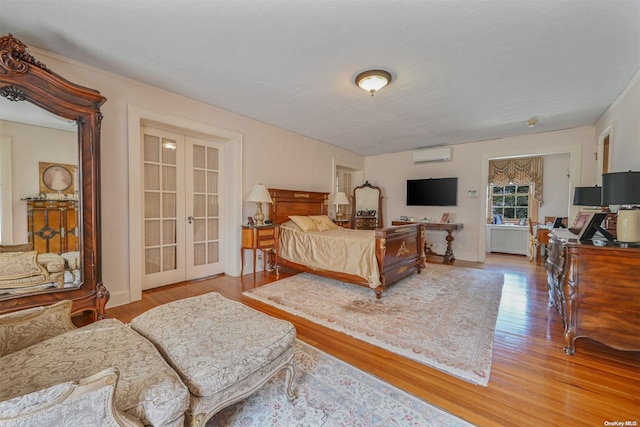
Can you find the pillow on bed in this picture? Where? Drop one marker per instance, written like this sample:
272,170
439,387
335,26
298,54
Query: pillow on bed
305,223
323,222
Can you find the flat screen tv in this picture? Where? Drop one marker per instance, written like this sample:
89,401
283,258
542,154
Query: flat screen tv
432,192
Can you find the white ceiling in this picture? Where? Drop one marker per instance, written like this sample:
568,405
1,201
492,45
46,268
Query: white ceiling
464,70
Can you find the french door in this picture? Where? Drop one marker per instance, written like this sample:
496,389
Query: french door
181,193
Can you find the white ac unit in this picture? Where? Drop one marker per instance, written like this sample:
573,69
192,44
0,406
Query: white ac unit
439,154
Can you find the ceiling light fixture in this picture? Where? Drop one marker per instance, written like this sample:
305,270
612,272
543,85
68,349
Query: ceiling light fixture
373,80
532,122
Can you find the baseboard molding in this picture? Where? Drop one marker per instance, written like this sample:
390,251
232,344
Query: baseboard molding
118,298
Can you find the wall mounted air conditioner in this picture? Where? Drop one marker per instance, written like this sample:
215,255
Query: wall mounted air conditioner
439,154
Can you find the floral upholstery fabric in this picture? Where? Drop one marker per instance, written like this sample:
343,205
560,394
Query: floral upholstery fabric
87,402
24,328
26,270
18,265
148,389
216,344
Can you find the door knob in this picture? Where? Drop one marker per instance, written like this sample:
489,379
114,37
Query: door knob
190,218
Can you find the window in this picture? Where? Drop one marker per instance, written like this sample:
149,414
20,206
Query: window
510,201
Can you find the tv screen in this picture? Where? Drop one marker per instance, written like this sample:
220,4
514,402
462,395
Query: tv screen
432,192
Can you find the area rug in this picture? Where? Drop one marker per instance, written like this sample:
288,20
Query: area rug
331,393
444,317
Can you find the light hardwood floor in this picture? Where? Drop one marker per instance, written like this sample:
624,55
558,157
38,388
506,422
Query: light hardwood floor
533,383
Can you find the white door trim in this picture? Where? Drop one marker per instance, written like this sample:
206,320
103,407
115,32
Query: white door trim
233,187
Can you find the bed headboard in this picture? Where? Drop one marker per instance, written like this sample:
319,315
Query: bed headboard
295,202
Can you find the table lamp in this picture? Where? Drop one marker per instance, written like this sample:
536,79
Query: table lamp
587,196
340,199
260,195
623,188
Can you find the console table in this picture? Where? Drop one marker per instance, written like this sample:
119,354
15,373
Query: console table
448,256
596,292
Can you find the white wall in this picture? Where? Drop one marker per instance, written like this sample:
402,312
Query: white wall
556,193
276,157
571,149
622,119
31,145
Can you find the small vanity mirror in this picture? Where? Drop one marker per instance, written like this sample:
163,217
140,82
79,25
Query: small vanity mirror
50,181
367,212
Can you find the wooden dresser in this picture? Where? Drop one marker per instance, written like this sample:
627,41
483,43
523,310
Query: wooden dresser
596,291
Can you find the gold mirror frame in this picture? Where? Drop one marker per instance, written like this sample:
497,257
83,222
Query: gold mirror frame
23,78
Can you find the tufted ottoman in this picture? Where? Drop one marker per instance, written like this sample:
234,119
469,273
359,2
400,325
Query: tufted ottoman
221,349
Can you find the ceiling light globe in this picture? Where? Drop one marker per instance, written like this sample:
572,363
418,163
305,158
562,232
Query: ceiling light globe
373,80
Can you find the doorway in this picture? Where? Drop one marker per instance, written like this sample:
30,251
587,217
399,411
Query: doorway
230,188
182,193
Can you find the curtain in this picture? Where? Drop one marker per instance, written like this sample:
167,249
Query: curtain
518,171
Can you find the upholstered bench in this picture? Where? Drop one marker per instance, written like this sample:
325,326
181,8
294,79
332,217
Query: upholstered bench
40,349
221,349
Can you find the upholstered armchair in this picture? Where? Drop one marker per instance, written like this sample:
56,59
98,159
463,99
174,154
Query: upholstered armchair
26,271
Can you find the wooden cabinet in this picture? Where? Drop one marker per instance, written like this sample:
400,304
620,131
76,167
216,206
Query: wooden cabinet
53,225
597,293
257,238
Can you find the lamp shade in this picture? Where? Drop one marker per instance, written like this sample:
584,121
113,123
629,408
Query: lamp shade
340,198
259,193
587,196
621,188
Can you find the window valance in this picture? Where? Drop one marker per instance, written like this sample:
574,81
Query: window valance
518,171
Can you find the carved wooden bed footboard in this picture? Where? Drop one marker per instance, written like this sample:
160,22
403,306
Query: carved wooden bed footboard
398,250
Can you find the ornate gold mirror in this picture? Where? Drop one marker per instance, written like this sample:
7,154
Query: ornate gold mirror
367,211
56,194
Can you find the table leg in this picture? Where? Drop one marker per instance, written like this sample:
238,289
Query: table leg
254,261
448,255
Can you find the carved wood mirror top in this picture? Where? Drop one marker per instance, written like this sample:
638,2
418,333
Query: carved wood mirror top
24,79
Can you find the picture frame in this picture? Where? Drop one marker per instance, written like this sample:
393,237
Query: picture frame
446,217
582,219
593,226
523,221
250,221
57,178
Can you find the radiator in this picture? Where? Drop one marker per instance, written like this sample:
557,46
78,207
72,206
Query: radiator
510,239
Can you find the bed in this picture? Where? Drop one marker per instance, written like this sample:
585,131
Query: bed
372,258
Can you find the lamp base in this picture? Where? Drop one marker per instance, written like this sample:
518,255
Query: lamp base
259,216
628,227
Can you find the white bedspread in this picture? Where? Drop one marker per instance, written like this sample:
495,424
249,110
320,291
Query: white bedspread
341,250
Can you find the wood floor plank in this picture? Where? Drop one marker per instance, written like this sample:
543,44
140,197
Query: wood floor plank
533,383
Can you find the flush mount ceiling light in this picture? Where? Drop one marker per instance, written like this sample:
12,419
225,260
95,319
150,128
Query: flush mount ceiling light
373,80
532,122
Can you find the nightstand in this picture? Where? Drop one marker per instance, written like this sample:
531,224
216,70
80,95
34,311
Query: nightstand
256,237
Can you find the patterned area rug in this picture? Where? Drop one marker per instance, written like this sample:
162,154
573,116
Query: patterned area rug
444,317
331,393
